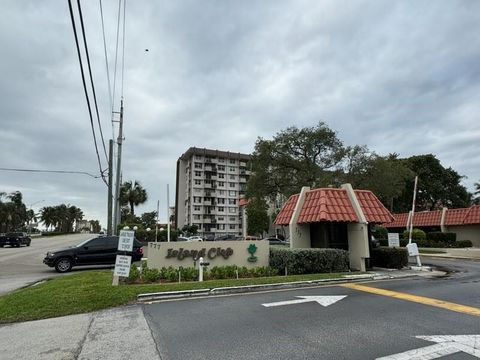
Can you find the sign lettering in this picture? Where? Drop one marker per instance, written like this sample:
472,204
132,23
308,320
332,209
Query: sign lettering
212,253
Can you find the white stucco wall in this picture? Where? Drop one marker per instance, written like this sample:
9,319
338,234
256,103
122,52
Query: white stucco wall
466,232
357,245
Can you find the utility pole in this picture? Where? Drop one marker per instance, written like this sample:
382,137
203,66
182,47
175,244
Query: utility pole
119,170
156,223
110,187
168,213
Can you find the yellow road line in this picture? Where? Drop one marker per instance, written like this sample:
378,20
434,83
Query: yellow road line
470,310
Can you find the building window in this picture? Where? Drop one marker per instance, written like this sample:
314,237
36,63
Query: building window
221,209
222,160
221,226
198,182
232,161
232,177
232,218
221,183
232,210
221,218
198,173
196,217
221,192
220,201
197,200
232,201
232,193
232,168
232,226
198,165
196,208
198,157
221,176
232,185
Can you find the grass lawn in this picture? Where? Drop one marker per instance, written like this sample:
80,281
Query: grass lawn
92,290
428,251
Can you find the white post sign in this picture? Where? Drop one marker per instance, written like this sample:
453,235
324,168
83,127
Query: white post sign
393,240
125,241
122,265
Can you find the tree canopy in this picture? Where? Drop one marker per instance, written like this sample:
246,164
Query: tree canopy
133,194
316,157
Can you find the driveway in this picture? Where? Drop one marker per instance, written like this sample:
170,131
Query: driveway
22,266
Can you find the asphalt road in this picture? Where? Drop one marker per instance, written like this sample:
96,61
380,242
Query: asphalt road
24,265
361,326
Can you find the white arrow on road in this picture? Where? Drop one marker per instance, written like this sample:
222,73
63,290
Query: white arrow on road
445,345
322,300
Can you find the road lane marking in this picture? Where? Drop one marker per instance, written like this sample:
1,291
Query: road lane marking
470,310
445,345
322,300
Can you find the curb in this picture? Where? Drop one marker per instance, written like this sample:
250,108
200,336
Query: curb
252,288
450,257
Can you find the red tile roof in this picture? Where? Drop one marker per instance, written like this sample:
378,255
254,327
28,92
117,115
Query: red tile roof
455,216
460,216
372,208
285,214
333,205
327,205
473,215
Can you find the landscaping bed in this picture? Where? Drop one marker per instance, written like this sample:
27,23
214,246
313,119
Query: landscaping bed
92,290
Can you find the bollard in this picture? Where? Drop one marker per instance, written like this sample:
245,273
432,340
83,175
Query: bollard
200,269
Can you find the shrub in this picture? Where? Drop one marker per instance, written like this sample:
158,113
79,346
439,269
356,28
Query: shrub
417,234
462,244
308,261
134,274
189,274
151,275
447,238
380,232
392,258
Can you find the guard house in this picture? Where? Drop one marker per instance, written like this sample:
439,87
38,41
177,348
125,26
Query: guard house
333,218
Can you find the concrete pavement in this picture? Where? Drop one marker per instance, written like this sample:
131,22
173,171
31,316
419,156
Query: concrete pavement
465,253
22,266
120,333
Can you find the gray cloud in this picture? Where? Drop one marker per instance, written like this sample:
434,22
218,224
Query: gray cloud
397,76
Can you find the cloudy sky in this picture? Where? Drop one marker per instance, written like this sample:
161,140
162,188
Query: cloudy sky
397,76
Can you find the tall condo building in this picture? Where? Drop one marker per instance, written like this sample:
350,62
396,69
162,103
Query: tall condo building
210,184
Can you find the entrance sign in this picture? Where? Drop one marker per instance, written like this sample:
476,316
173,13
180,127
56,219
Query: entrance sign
393,240
122,265
322,300
445,345
125,241
413,250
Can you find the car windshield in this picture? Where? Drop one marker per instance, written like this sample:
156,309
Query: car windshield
83,242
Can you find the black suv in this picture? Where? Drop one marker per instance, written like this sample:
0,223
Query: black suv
15,239
97,251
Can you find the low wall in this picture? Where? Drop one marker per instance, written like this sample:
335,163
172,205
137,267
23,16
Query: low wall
218,253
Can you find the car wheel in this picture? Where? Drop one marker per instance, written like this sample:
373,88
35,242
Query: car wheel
28,244
2,246
63,265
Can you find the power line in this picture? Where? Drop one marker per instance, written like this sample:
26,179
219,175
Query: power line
106,65
91,77
85,87
116,56
53,171
123,44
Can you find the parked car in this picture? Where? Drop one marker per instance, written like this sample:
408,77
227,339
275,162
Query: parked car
195,238
16,239
225,237
182,238
101,250
276,241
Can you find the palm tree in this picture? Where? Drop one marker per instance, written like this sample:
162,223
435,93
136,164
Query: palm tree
477,187
133,194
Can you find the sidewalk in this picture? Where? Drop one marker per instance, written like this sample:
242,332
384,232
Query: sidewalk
465,253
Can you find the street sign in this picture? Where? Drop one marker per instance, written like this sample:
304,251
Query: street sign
125,241
122,265
322,300
412,249
393,240
445,345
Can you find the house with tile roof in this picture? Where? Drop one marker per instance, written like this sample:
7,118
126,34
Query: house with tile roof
333,218
465,222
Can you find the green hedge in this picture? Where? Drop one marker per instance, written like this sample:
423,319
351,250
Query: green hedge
392,258
380,232
447,238
417,234
308,261
170,274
